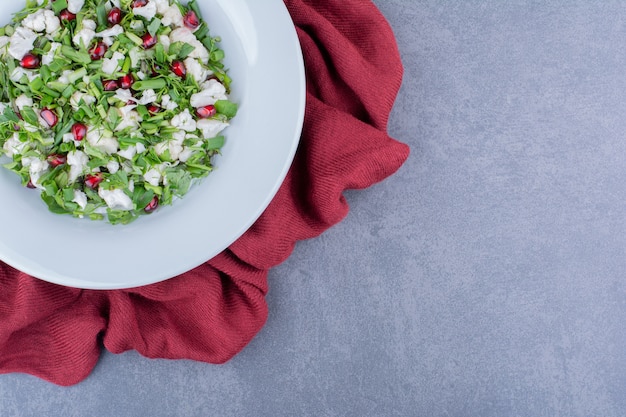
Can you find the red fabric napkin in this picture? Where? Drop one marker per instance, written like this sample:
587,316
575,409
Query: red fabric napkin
210,313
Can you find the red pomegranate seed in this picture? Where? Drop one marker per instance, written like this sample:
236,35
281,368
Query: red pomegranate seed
152,205
49,117
148,41
178,68
30,184
191,20
79,131
126,81
66,15
56,159
110,85
153,109
114,16
30,61
93,180
206,111
98,51
139,3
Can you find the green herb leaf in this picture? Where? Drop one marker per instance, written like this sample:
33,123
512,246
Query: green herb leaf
29,116
58,6
185,50
227,108
154,26
74,55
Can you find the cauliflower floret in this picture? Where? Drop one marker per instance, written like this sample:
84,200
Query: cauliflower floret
42,20
148,11
185,35
130,118
124,95
147,97
167,103
162,6
185,154
97,139
13,146
89,24
116,199
136,54
108,35
184,121
195,69
22,101
79,97
48,57
211,127
74,6
35,168
86,34
172,15
21,42
113,166
77,160
131,151
52,22
213,91
152,177
19,72
80,198
35,21
174,146
110,65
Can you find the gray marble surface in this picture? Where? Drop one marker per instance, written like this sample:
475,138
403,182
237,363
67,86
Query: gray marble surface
486,278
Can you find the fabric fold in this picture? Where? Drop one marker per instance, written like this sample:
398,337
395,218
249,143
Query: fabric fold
212,312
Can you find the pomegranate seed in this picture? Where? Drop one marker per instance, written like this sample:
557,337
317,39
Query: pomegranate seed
126,81
30,61
93,180
98,51
110,85
139,3
152,205
66,15
191,20
30,184
79,131
56,159
153,109
178,68
206,111
148,41
115,16
49,117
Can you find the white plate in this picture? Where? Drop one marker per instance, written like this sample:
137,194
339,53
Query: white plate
265,62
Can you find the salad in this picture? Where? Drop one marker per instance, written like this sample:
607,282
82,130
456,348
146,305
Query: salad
111,108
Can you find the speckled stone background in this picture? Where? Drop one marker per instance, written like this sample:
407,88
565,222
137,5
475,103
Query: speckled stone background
486,278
